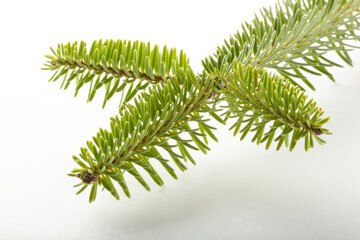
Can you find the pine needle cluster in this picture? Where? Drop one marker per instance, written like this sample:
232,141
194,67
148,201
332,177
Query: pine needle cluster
258,77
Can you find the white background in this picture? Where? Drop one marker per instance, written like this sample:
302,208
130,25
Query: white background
237,191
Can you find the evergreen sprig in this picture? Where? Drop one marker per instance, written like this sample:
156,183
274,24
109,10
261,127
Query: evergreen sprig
160,115
293,39
258,98
168,112
107,62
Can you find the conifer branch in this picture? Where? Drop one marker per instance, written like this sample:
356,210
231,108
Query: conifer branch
161,115
111,61
257,98
293,39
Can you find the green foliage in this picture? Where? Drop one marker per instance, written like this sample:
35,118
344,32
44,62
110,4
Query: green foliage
293,39
168,113
107,62
159,119
258,98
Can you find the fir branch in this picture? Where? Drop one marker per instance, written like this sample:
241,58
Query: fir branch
293,39
158,116
258,98
112,61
